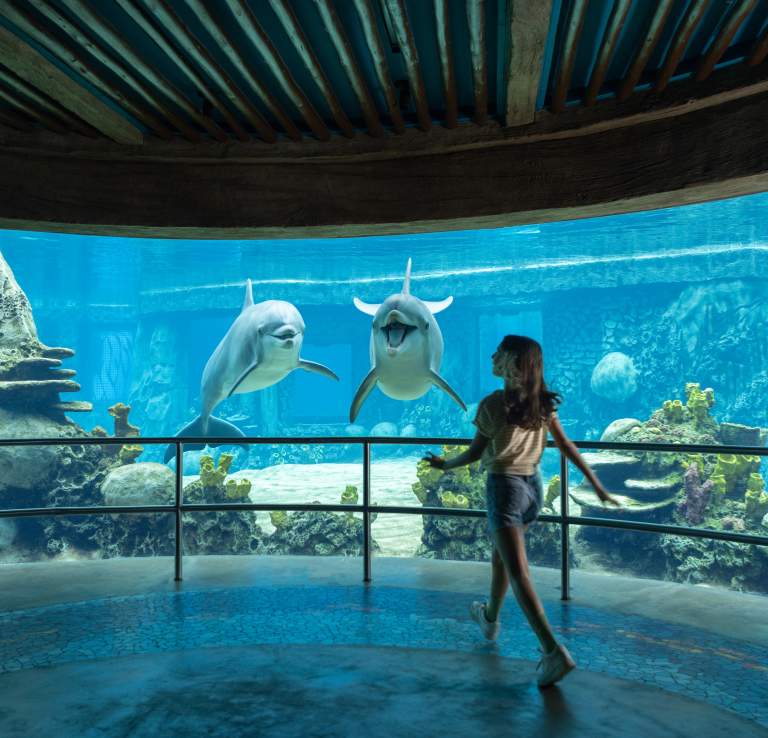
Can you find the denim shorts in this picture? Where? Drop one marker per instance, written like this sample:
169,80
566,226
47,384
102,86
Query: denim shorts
512,500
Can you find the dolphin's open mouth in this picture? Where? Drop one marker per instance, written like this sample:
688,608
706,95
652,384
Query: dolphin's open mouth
396,333
285,334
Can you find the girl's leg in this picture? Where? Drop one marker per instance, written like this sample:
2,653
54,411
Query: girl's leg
510,544
499,586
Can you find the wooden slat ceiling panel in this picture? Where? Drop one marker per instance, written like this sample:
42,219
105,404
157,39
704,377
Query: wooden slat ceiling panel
270,70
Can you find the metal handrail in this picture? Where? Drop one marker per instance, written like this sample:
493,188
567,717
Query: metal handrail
564,519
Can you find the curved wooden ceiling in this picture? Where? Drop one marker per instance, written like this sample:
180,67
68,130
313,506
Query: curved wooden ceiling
349,77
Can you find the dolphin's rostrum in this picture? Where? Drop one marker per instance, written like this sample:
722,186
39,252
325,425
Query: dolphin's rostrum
261,347
406,348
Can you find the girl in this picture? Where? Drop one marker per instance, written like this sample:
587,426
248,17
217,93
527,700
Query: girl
511,434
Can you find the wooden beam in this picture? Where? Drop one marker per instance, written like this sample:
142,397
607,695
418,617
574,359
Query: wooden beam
376,48
214,28
477,47
760,49
445,49
568,55
652,37
45,103
114,65
724,38
15,120
112,41
35,69
167,19
338,37
607,47
399,15
298,38
258,37
31,110
693,16
138,16
528,31
498,181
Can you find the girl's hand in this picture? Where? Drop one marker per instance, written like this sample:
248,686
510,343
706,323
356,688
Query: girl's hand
436,462
602,493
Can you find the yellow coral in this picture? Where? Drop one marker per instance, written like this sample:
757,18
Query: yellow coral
349,496
211,475
735,469
123,429
553,492
238,489
129,453
699,401
674,411
279,518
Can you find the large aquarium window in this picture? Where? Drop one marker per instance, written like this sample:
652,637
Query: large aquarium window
652,325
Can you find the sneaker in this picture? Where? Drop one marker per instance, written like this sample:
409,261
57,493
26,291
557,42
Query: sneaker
554,666
477,613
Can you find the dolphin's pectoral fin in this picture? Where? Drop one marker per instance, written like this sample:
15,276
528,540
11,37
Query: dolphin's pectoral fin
365,307
313,366
362,392
443,385
241,378
438,307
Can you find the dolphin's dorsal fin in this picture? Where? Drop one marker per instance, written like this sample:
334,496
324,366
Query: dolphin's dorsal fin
365,307
407,280
437,307
248,301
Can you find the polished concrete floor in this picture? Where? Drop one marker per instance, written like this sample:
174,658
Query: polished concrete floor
296,646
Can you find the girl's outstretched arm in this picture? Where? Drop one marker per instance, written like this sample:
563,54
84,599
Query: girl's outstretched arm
472,454
570,451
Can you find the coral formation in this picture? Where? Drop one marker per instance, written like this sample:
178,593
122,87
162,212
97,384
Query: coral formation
755,498
212,475
237,489
698,402
674,411
123,428
697,495
735,469
552,493
129,453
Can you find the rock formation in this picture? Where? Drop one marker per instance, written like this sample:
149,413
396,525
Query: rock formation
30,380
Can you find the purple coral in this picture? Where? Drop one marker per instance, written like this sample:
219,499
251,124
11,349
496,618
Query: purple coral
697,495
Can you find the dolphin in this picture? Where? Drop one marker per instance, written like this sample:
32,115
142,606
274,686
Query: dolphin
406,348
260,348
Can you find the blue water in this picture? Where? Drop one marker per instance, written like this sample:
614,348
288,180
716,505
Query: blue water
682,292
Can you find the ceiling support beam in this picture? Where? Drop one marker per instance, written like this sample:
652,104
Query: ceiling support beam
687,28
112,41
45,103
399,15
376,48
528,31
258,37
298,38
477,45
115,66
445,48
760,50
724,38
169,21
140,19
652,37
607,47
28,64
338,37
568,55
29,109
201,10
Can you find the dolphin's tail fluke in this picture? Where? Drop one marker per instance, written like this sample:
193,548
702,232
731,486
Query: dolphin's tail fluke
407,281
196,429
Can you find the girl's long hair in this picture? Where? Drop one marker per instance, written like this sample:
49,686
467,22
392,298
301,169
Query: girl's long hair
532,402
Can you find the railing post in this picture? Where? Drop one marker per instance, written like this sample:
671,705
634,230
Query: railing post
179,484
565,571
366,512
